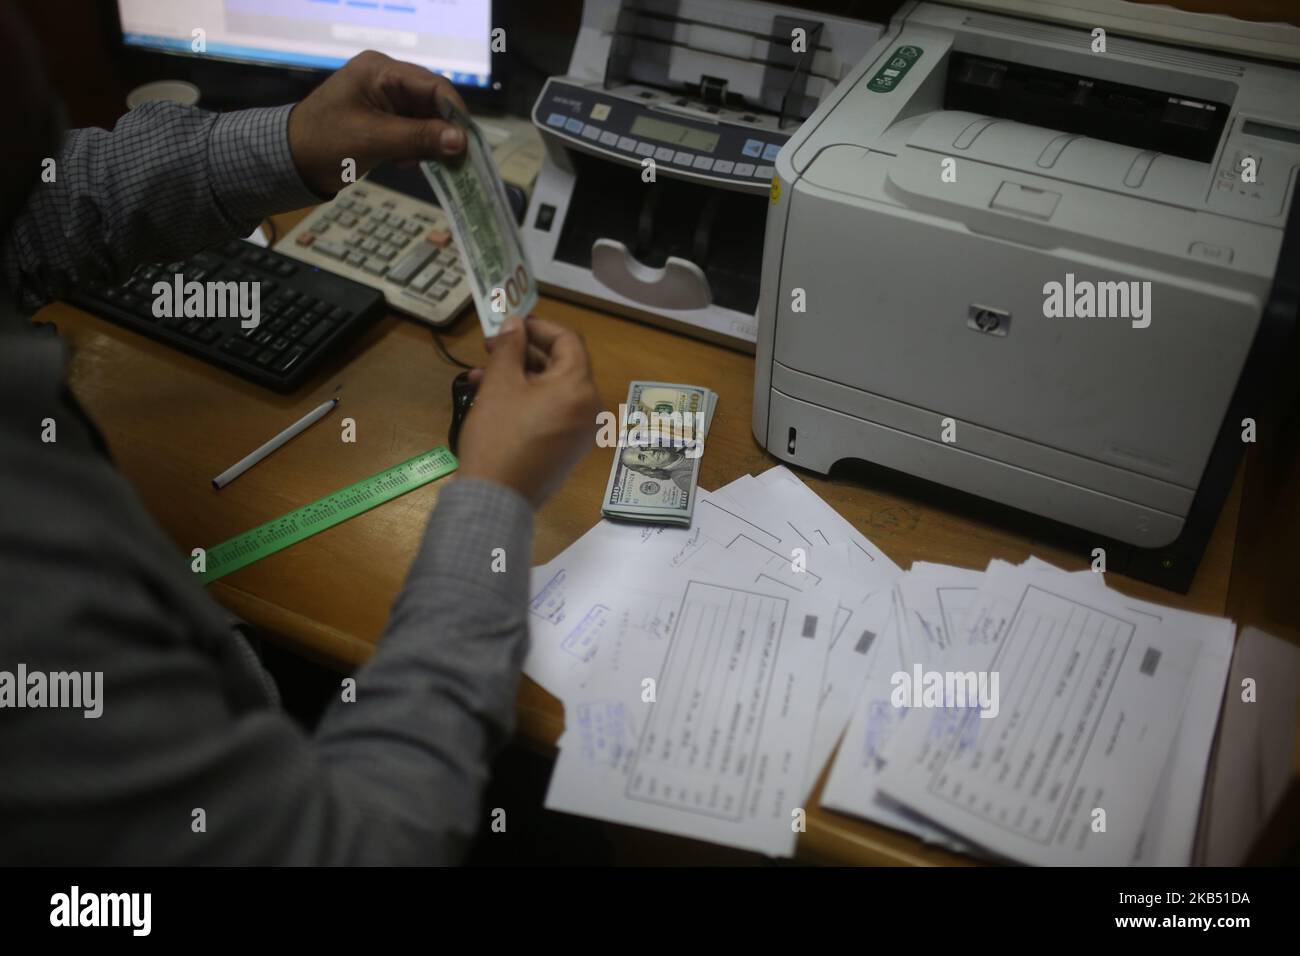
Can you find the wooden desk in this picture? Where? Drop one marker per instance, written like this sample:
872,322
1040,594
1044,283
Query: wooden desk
174,422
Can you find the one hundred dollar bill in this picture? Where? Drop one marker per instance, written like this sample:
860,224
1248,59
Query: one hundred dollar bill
662,429
474,199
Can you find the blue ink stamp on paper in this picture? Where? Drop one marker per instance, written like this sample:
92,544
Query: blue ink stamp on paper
548,604
582,641
600,725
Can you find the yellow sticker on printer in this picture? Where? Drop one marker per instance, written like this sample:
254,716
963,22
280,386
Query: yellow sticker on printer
894,69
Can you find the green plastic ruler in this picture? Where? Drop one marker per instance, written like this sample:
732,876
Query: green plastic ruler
278,533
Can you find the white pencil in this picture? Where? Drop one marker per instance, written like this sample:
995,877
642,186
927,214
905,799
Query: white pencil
297,428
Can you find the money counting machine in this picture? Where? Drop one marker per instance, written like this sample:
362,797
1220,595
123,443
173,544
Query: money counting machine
660,150
1012,261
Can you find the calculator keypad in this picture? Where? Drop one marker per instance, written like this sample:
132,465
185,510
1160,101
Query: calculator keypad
391,242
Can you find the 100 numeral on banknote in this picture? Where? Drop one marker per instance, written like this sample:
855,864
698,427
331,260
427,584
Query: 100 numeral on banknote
472,195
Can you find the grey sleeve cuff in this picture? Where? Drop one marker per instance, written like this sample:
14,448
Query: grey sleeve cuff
253,173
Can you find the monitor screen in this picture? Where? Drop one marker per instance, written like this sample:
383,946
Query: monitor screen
450,37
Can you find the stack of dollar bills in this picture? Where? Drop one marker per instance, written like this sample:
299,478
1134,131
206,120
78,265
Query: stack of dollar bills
661,431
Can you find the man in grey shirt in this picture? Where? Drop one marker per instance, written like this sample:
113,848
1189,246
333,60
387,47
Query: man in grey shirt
89,584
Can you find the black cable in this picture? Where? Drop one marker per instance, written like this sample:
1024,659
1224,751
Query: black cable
437,340
814,39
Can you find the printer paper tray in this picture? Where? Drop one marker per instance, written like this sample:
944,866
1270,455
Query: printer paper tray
1120,504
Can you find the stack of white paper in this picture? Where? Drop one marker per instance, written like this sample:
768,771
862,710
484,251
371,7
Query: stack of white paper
1037,716
1021,713
707,673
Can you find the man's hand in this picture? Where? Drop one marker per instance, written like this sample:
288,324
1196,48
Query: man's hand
373,109
534,416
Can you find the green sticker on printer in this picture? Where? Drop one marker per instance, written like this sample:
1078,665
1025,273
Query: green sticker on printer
895,68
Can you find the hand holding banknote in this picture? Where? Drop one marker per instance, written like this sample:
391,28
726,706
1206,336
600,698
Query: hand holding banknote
474,198
374,109
533,417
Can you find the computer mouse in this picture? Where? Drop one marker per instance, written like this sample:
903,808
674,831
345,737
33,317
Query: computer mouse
462,400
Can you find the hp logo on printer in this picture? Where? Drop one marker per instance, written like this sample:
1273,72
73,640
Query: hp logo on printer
981,318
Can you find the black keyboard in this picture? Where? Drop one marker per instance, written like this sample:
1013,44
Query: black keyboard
304,313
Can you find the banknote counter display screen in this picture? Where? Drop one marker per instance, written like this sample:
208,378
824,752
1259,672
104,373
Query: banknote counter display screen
684,136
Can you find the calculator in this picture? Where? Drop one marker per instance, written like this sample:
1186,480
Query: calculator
390,241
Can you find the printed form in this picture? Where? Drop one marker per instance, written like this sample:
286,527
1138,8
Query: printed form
721,750
1091,696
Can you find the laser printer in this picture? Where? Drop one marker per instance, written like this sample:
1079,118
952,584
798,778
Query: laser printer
660,143
972,167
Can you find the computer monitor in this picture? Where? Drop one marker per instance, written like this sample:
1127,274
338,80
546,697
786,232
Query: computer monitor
450,37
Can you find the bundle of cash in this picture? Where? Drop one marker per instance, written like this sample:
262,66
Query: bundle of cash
474,199
661,432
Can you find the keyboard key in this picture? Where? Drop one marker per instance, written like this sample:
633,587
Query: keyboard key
239,348
375,266
427,277
412,262
331,248
290,358
317,332
305,238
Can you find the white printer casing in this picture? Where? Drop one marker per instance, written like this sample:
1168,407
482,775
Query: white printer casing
909,247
